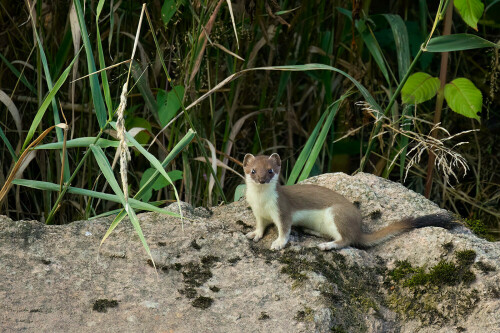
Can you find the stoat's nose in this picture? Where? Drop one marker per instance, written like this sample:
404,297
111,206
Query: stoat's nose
262,181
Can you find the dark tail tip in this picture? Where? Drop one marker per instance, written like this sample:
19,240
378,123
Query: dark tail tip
442,220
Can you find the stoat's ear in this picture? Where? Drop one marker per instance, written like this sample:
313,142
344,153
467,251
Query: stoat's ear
248,159
276,159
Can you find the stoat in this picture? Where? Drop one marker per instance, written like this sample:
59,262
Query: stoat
318,210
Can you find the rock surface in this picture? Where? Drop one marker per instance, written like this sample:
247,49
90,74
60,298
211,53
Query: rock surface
210,278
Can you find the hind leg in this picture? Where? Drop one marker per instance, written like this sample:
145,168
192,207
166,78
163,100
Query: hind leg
338,244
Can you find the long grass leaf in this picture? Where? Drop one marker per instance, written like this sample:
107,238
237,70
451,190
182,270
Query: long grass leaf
48,79
153,160
41,111
318,145
81,142
5,99
402,42
102,63
97,99
106,170
305,152
136,204
18,74
8,145
149,183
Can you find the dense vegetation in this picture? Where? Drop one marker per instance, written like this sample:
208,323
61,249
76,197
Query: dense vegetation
342,89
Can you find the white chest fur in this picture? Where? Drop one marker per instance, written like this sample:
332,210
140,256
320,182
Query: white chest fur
263,198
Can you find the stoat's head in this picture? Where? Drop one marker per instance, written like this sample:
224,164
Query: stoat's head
262,169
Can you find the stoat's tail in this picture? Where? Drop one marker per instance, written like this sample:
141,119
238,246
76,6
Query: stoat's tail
432,220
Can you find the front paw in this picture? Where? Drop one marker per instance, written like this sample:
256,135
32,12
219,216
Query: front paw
279,243
256,236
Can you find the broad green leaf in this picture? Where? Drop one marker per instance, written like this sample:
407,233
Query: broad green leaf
463,97
470,10
458,42
168,10
169,104
239,192
419,87
80,142
141,137
136,204
159,183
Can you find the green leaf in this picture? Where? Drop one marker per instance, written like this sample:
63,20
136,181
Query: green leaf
458,42
239,192
102,63
97,99
159,183
18,74
419,87
168,10
402,42
48,100
318,145
46,186
144,88
9,146
80,142
153,160
463,97
103,163
141,137
169,104
149,183
470,10
370,42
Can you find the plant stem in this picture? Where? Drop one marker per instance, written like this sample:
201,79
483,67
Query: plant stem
439,100
423,47
389,106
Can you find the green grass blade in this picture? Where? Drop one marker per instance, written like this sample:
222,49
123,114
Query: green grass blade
106,170
55,112
458,42
102,63
41,111
150,182
97,99
136,204
144,89
9,146
81,142
402,42
153,160
318,145
306,151
370,42
18,74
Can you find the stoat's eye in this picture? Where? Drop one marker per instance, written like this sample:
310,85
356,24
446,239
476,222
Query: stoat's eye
253,170
270,171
